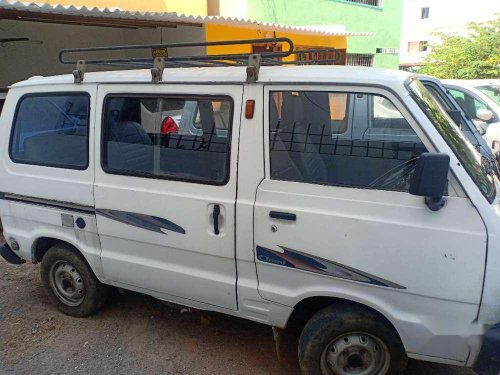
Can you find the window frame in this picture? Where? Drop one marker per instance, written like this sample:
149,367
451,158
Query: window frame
461,161
352,88
424,13
423,46
185,97
49,94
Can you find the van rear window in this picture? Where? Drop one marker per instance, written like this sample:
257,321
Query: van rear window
183,138
51,130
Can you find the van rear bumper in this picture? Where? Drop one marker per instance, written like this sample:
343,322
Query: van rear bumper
488,360
11,257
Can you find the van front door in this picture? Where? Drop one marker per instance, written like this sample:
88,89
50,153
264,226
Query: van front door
165,189
333,217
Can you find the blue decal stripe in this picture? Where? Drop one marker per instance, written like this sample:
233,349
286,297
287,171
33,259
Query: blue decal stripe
299,260
152,223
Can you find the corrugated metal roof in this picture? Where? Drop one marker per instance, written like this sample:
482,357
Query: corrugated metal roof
167,17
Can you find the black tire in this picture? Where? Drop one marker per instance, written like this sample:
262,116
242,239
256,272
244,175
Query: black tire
339,320
65,260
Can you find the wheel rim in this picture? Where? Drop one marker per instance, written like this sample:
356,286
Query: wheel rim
355,353
67,283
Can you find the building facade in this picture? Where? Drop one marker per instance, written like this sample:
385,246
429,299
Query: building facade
425,19
194,7
32,34
380,17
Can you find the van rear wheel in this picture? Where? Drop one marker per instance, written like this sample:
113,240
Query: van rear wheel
70,283
347,339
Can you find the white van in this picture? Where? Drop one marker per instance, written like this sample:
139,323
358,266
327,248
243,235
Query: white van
340,204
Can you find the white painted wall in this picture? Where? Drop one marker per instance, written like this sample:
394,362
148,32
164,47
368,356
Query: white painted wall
447,16
234,8
19,61
228,8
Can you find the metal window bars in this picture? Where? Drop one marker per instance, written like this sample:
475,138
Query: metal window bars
373,3
307,141
360,59
158,63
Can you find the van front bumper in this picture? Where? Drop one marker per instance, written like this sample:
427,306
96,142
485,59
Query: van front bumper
11,257
488,360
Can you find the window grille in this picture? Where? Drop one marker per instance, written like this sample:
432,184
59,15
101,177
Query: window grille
341,139
359,59
423,46
388,51
373,3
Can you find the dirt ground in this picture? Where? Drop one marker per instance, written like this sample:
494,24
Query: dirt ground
133,334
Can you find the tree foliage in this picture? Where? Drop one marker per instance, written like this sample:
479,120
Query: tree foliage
474,56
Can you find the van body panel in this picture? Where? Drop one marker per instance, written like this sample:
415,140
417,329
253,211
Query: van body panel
404,276
26,222
384,249
60,184
435,248
489,312
158,234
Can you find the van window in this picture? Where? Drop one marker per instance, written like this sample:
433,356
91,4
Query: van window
385,115
52,130
222,113
333,106
180,138
374,148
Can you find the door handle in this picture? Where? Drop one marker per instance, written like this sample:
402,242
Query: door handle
282,216
215,215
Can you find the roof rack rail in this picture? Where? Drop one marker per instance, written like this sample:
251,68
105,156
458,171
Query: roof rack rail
161,60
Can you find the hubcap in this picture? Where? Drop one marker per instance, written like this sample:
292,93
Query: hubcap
67,283
355,353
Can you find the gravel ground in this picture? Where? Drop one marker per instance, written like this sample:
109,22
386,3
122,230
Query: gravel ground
133,334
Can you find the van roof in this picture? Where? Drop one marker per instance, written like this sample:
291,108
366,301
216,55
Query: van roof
268,74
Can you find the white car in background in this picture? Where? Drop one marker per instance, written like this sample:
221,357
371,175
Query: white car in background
480,100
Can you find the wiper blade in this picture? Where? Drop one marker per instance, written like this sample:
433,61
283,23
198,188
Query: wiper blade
490,165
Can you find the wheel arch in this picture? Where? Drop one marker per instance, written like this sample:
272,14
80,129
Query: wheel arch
43,243
307,307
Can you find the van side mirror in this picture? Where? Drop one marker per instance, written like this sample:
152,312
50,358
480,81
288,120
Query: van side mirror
430,178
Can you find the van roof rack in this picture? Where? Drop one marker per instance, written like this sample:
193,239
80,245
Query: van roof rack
160,58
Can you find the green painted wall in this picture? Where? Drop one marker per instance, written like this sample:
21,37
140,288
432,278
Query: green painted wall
383,22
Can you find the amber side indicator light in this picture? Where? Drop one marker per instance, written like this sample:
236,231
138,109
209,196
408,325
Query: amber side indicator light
249,109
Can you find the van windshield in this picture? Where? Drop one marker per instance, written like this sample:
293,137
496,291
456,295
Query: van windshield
470,158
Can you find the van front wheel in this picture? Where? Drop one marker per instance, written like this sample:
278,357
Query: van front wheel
346,339
70,283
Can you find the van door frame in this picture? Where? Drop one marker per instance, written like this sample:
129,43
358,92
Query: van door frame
226,300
